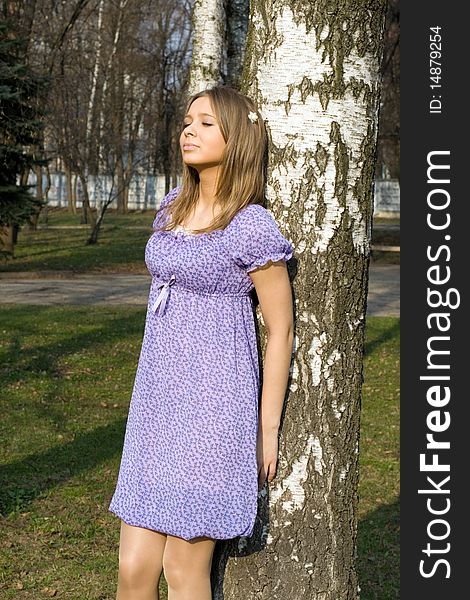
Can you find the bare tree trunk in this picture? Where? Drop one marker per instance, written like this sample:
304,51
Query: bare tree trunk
237,26
121,208
127,177
74,192
88,215
33,221
126,197
93,93
47,189
315,75
7,245
72,207
208,26
117,35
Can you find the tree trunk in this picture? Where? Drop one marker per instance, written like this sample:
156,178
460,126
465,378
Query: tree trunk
91,118
128,175
314,73
7,246
208,27
34,219
88,215
74,192
71,198
120,185
45,211
237,25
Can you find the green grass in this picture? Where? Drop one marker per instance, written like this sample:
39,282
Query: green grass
387,220
120,245
385,236
62,245
378,534
57,217
66,380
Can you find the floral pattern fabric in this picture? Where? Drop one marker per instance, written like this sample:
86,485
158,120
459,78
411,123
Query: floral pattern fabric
188,466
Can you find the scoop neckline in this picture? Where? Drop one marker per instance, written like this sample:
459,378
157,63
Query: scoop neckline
187,233
181,229
183,232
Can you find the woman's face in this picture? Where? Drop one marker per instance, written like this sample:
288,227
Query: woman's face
201,141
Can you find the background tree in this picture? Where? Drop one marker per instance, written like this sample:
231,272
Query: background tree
117,69
314,70
20,133
208,49
388,155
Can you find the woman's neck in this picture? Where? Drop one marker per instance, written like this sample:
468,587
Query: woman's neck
207,188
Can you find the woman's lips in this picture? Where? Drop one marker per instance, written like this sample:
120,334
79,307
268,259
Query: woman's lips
189,146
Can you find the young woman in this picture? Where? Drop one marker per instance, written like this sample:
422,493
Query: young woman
199,445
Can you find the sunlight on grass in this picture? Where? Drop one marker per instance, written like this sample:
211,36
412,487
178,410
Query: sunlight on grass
67,376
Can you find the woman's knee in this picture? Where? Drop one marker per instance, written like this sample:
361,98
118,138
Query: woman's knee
136,571
184,561
174,569
140,557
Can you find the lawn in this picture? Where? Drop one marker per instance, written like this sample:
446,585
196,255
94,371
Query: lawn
60,245
379,488
66,380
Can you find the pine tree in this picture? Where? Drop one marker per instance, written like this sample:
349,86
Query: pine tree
20,132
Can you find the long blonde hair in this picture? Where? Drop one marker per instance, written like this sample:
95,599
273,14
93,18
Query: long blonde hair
242,170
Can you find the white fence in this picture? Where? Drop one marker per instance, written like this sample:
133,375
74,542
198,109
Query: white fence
386,197
146,192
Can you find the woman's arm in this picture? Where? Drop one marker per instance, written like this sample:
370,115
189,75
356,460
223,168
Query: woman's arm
274,293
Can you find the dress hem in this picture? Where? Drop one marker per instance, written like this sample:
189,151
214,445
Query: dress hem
170,531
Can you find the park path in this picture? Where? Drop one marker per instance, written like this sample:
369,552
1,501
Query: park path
108,289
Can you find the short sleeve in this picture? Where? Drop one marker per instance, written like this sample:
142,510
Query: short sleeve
255,239
158,221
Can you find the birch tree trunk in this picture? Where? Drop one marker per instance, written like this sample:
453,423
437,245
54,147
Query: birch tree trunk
208,27
71,195
313,68
91,111
237,24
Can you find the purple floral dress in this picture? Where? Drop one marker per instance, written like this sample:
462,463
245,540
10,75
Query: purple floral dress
188,466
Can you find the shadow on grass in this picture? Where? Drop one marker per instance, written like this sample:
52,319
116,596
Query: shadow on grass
42,360
378,563
377,335
24,480
68,250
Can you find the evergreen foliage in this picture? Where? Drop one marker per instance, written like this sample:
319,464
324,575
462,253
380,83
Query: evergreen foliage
21,128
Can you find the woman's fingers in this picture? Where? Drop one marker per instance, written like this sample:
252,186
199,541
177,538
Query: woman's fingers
266,471
271,471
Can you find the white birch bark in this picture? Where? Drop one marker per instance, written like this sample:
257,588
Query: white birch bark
208,26
96,70
114,47
313,68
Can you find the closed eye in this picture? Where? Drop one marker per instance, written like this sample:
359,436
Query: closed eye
208,124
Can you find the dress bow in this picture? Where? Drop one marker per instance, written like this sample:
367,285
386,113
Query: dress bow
160,302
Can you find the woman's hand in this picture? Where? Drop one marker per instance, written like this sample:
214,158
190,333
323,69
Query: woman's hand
267,450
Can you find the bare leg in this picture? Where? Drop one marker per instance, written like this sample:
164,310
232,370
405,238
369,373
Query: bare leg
187,568
140,563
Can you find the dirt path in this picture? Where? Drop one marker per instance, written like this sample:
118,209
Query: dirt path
26,288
